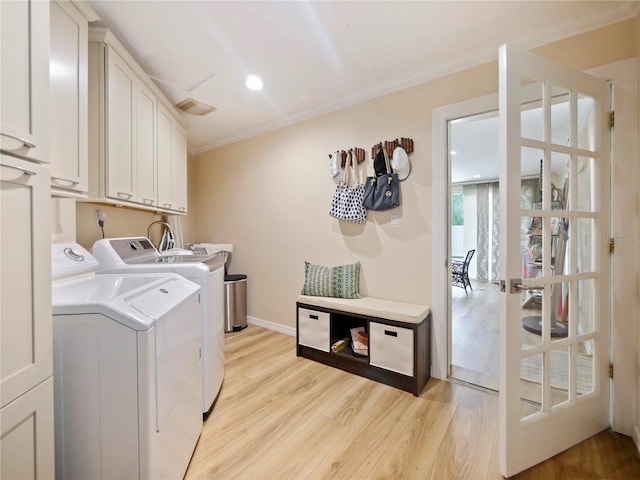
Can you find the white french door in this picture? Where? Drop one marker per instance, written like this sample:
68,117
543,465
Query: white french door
554,336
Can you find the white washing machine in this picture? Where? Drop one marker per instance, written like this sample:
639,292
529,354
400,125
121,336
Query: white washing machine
127,371
138,255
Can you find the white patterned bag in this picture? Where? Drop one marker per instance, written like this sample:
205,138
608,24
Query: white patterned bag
347,199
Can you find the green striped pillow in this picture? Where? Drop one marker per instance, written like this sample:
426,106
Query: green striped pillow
342,281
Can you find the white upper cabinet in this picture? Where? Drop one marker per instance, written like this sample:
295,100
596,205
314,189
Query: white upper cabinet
172,163
145,173
68,98
24,90
165,125
179,167
120,122
136,137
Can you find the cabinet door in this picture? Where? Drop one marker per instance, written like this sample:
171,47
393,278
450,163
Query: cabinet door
25,277
179,168
145,153
165,124
24,83
26,435
68,99
120,142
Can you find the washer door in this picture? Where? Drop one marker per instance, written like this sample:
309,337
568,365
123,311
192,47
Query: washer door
174,304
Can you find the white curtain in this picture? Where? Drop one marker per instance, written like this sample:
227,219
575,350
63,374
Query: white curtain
488,227
488,223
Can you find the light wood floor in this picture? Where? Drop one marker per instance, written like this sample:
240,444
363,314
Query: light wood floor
475,334
283,417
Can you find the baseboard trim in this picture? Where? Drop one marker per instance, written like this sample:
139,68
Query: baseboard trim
276,327
636,437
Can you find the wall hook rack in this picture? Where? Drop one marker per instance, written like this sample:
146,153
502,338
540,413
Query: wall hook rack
359,154
390,146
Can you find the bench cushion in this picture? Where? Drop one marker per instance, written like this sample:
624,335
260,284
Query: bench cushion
373,307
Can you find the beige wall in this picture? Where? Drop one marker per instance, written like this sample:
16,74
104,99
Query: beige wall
120,222
270,195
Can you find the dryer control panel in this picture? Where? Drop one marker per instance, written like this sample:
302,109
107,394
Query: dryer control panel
71,260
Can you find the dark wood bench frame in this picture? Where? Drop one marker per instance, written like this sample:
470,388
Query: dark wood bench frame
340,321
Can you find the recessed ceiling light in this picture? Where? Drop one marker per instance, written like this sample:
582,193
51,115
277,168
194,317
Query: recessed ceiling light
453,152
476,176
253,82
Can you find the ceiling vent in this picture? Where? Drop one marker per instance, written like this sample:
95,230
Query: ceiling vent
195,107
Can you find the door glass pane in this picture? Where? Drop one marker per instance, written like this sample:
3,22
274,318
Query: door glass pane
559,228
559,180
559,375
559,310
531,268
585,234
531,117
531,173
586,306
532,308
530,385
586,182
560,116
531,248
586,123
585,367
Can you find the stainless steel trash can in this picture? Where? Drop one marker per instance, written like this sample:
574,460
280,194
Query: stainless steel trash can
235,308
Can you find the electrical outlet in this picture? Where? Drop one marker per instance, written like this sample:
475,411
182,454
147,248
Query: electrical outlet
395,221
101,216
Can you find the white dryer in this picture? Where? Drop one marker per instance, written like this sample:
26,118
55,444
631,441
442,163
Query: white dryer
138,255
127,371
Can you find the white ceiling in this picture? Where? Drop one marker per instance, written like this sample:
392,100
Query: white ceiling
315,57
474,147
475,143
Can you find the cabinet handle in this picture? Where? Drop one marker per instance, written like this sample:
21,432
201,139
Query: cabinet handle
20,169
313,317
391,333
148,201
125,195
166,205
182,209
24,142
59,179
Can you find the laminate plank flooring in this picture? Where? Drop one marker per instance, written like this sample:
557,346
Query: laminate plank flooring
475,334
283,417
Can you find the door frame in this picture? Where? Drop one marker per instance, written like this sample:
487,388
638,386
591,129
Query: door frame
625,285
441,298
625,260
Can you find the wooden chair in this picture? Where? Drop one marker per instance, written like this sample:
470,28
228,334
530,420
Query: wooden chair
460,272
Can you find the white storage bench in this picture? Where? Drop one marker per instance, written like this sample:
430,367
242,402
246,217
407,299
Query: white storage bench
399,338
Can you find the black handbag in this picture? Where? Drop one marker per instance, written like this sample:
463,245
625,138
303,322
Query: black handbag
382,192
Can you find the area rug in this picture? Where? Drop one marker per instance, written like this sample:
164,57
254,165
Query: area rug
531,371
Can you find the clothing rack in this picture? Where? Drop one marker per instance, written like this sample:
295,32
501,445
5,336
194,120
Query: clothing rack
390,146
358,153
